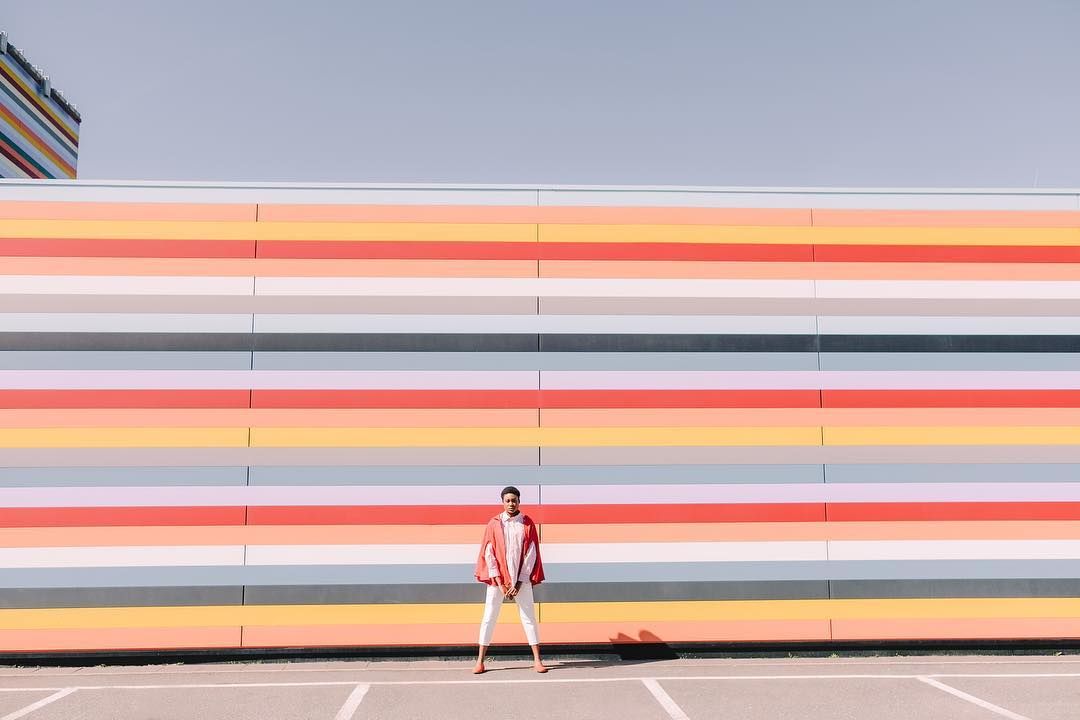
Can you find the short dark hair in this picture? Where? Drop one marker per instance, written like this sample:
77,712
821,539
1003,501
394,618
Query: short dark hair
510,489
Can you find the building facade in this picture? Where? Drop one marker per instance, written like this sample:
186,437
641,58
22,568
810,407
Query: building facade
275,416
39,128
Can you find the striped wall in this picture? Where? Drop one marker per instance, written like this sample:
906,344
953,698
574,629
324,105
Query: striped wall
279,416
39,130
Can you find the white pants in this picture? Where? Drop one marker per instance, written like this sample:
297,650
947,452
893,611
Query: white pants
526,609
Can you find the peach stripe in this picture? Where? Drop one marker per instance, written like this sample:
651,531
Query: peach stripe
551,533
533,215
45,210
238,535
955,628
766,532
946,218
268,417
808,270
462,634
785,417
119,639
265,267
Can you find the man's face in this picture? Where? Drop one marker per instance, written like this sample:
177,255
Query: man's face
510,503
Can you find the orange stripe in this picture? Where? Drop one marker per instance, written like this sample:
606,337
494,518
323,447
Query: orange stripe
946,218
782,417
461,634
269,417
46,210
37,142
119,639
247,267
955,628
529,215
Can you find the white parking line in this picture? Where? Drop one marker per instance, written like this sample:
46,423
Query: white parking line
666,701
22,712
974,700
352,702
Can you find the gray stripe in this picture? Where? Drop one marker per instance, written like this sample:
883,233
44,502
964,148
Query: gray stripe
533,361
119,597
248,304
548,592
1019,587
924,307
949,361
535,475
588,573
955,472
255,457
121,360
811,454
121,476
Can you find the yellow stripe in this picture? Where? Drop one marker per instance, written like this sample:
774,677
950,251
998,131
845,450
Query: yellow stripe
513,232
952,435
205,230
533,437
807,235
457,613
122,437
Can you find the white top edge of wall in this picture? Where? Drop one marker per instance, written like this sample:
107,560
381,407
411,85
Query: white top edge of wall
541,194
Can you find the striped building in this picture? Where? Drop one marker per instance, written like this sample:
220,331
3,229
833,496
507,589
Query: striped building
264,416
39,128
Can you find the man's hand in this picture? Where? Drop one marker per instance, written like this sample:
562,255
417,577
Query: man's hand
511,593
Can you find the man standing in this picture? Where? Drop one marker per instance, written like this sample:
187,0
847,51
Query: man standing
509,563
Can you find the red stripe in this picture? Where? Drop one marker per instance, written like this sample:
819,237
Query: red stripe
534,398
679,398
881,512
949,398
82,247
124,398
577,514
394,398
532,251
676,251
948,253
120,516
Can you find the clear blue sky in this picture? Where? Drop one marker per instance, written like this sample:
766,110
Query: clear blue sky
935,93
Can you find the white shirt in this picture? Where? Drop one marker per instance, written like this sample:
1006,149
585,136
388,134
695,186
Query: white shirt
514,535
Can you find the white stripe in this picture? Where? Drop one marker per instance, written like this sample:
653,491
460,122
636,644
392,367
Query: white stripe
954,549
658,324
269,379
974,700
352,702
133,556
125,285
124,322
903,325
22,712
528,287
666,701
910,289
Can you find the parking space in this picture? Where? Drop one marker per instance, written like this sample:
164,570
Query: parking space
967,688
